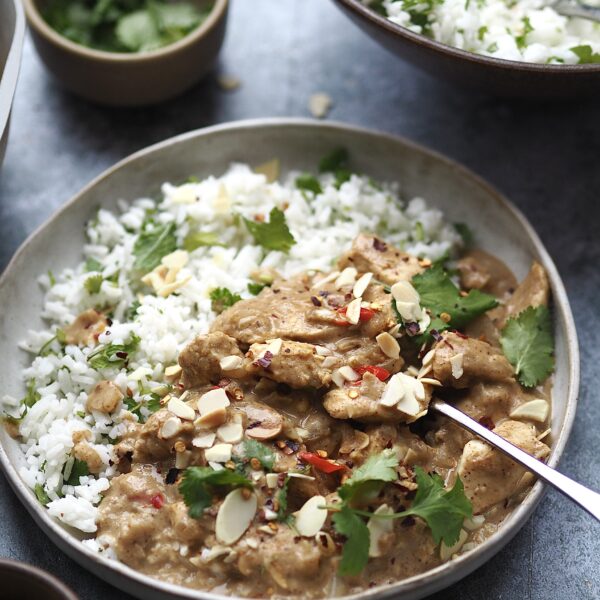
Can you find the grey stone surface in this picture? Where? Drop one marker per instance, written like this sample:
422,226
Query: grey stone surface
544,156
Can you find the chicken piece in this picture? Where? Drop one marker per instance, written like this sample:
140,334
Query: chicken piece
489,477
200,359
86,328
460,362
534,290
105,397
296,363
285,561
83,451
388,264
482,271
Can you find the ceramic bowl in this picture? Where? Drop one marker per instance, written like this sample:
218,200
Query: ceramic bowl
12,31
474,71
136,79
298,144
20,580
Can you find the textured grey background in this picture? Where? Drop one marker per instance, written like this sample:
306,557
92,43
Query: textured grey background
542,156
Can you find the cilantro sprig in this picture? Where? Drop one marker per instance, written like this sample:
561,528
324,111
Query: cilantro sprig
113,355
222,298
528,345
273,234
199,484
254,449
152,244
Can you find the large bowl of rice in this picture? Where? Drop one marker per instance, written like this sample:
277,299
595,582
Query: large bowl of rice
516,49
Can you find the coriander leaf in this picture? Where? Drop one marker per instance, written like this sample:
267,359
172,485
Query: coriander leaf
256,288
177,18
355,554
113,355
91,264
32,395
585,54
308,183
153,403
151,246
528,345
93,283
443,511
198,486
138,31
439,295
40,494
79,469
254,449
419,234
283,501
521,40
465,233
131,312
198,239
274,234
222,298
334,161
379,467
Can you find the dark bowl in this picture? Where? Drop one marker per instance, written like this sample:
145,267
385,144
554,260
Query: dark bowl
474,71
21,581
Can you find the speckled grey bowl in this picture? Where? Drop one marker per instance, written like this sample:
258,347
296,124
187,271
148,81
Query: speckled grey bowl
12,31
298,144
22,581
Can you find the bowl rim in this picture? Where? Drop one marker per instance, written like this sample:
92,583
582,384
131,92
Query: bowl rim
40,575
504,64
427,582
10,72
37,22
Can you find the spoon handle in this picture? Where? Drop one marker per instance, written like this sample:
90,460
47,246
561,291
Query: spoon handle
586,498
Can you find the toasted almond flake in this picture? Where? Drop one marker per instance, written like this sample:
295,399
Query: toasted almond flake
252,543
219,453
418,389
169,288
231,433
269,169
456,362
388,345
353,311
212,419
428,358
170,428
403,291
172,372
271,479
184,194
213,400
333,275
176,260
475,522
234,516
543,434
425,371
230,363
446,552
346,277
319,104
330,361
409,311
430,381
301,476
323,351
535,410
409,405
215,466
379,527
468,547
337,378
310,518
394,391
205,440
412,371
348,373
139,374
360,287
274,346
181,409
210,554
266,529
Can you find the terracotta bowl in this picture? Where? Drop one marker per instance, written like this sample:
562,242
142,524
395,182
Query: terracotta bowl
123,79
474,71
20,580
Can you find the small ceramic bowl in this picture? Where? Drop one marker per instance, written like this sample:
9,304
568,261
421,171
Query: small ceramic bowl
123,79
474,71
12,31
20,580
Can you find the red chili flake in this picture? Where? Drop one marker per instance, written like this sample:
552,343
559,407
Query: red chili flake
379,372
157,500
379,245
316,301
264,361
319,463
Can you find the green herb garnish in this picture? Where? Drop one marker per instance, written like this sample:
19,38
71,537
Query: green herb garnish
41,495
93,283
256,288
198,239
273,234
32,395
92,265
586,55
113,355
527,29
151,246
254,449
79,469
528,344
308,183
465,233
222,299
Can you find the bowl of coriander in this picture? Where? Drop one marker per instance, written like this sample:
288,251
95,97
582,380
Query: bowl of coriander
127,52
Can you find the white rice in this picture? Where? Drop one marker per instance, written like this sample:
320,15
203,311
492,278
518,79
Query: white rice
522,30
323,226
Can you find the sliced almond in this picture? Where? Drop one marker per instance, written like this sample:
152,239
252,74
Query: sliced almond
310,518
535,410
337,378
430,381
456,362
428,358
348,373
170,428
169,288
205,440
319,282
447,552
219,453
360,287
378,527
403,291
274,346
184,194
408,311
230,363
301,476
353,311
139,374
212,419
181,409
394,391
475,522
388,345
176,260
269,169
235,515
346,277
173,372
330,361
323,351
230,433
213,400
271,479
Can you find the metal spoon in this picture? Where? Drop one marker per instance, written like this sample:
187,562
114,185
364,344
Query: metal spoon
572,8
586,498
